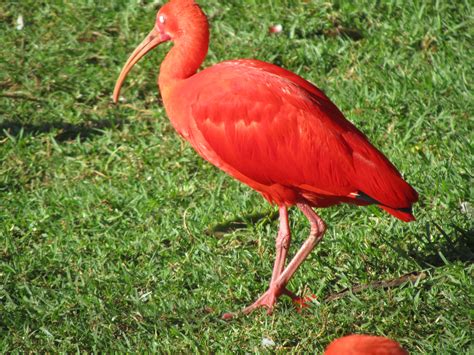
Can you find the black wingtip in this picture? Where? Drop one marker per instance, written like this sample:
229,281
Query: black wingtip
406,210
361,196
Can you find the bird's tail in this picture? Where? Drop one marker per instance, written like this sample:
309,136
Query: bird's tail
378,181
404,214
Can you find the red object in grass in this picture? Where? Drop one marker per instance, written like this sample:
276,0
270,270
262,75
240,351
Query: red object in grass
275,29
303,302
364,345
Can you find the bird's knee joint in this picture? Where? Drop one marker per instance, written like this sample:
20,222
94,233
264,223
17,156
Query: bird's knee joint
283,240
314,237
322,227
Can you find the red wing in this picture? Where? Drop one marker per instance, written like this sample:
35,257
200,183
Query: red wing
267,129
276,128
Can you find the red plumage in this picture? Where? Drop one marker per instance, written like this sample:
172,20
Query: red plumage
364,345
279,134
270,129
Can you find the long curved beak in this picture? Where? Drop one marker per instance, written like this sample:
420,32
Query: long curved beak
150,42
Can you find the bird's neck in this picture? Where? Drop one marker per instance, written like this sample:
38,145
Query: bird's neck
184,59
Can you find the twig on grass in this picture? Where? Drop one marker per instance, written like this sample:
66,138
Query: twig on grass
20,96
412,277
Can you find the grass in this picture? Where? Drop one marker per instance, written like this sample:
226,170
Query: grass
108,220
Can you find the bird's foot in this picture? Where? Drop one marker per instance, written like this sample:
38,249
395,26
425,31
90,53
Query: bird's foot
268,301
299,302
269,298
303,302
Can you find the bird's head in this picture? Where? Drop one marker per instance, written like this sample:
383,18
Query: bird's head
174,21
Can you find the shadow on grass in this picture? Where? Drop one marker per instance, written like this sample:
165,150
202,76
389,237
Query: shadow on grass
241,222
438,248
435,248
337,30
442,247
66,131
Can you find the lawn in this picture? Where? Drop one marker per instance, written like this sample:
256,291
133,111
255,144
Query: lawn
116,236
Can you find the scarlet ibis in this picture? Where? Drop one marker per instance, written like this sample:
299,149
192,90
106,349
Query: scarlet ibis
270,129
364,345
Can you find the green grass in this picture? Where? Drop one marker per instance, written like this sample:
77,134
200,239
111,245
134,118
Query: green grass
106,216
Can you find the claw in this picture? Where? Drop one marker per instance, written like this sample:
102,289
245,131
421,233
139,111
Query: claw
267,300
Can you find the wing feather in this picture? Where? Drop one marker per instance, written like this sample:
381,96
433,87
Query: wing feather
272,127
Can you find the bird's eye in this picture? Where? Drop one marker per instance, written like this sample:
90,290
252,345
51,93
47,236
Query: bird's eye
162,19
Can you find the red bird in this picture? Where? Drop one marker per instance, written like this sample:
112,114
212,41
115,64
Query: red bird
364,345
270,129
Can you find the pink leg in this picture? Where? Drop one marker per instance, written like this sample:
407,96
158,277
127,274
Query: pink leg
282,244
316,234
279,281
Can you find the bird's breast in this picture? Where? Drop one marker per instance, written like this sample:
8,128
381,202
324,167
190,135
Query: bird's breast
178,112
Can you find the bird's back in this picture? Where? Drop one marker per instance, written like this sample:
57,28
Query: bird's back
280,134
364,345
